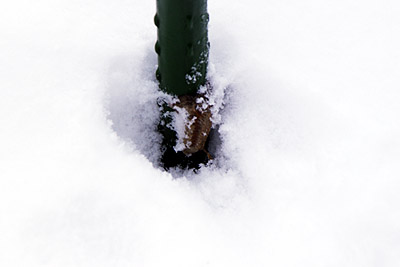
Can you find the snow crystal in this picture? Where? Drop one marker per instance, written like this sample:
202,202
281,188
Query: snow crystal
180,122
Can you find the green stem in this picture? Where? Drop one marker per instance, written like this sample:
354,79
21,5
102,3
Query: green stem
182,45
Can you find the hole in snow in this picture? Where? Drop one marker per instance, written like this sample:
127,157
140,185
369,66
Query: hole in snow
132,93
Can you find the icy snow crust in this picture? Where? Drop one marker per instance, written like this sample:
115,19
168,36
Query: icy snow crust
307,173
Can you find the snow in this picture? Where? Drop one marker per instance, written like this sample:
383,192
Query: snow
307,173
180,120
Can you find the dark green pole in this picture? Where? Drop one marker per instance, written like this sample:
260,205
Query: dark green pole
182,45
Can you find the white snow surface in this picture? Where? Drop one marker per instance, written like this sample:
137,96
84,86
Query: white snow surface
307,174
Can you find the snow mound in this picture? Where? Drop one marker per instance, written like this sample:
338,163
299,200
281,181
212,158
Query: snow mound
306,173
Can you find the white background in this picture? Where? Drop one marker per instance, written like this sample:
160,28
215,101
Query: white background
308,172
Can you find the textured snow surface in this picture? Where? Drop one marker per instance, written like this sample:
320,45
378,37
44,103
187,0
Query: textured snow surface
307,174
